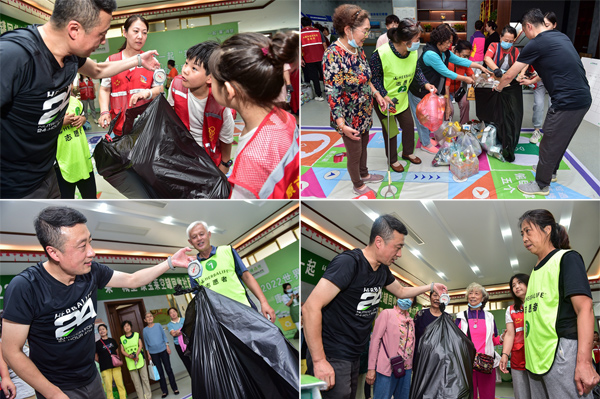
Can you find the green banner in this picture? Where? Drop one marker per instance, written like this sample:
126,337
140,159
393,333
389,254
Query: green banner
272,273
312,266
172,44
163,285
7,23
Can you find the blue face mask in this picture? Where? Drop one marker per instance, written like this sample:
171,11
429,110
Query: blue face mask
414,46
353,42
506,45
288,291
475,306
404,304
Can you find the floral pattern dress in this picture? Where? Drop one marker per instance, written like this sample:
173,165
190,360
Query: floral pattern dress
346,77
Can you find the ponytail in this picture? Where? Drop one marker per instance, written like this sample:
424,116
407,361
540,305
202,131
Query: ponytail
542,218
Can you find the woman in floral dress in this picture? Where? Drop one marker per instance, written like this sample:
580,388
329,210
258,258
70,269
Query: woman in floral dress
347,77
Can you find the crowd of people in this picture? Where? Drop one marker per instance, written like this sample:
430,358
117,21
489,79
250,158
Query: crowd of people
249,74
356,87
549,328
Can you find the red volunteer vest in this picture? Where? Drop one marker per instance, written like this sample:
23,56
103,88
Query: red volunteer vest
312,45
86,90
268,166
517,360
123,86
212,118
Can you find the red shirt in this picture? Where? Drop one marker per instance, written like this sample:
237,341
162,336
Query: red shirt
460,71
513,54
596,350
312,44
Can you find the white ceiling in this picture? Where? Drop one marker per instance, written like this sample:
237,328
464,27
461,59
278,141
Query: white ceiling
138,226
253,15
477,224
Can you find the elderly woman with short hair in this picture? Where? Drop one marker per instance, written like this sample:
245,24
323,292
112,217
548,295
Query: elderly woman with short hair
480,327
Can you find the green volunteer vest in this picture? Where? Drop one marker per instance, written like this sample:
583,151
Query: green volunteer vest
398,73
131,346
72,151
541,311
219,275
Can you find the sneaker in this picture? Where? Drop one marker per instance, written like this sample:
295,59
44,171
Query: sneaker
365,190
430,148
319,98
433,142
373,178
535,137
532,188
554,178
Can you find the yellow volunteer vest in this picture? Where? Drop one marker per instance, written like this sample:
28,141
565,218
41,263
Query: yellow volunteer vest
72,150
131,346
398,73
219,275
541,311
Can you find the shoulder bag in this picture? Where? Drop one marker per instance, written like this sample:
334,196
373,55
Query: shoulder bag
482,363
116,360
397,362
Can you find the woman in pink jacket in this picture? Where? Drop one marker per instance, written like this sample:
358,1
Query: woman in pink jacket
393,335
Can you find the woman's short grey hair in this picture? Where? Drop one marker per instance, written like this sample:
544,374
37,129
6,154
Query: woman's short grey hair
194,224
478,287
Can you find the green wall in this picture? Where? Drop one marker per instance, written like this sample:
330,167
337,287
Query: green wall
271,273
171,44
7,23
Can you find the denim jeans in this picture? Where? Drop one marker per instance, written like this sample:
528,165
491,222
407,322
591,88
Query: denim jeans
385,386
422,130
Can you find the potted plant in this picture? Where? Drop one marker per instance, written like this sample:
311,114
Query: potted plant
459,27
427,27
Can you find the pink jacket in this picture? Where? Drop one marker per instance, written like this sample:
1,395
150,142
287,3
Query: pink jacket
390,327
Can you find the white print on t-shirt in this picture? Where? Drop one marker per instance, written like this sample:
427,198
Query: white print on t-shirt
48,117
74,318
365,307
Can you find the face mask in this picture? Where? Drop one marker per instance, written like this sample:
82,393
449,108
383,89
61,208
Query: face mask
414,46
288,291
404,304
475,306
353,42
506,45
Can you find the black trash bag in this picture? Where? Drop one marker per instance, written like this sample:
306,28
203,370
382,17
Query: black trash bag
236,352
505,109
157,146
445,367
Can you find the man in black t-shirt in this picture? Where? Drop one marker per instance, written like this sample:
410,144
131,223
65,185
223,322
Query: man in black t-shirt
38,65
53,305
339,312
558,65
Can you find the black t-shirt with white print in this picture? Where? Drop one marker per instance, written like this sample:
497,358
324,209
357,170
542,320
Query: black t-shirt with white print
348,318
61,321
34,96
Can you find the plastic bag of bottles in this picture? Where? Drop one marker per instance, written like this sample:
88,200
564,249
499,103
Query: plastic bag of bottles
447,147
464,163
489,142
430,111
467,139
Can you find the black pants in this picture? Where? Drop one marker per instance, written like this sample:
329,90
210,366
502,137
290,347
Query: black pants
312,73
346,378
161,360
187,362
559,128
87,187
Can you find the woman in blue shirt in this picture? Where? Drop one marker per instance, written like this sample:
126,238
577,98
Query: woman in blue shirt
434,65
174,327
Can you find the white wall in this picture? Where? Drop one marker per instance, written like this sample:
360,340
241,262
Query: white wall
279,15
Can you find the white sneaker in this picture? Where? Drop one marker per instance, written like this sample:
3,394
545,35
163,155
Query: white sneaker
319,99
535,137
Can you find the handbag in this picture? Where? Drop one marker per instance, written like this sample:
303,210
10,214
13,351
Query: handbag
153,371
397,362
116,360
459,94
482,363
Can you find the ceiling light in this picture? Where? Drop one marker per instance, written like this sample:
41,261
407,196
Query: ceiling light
168,220
415,252
514,262
456,242
565,221
506,233
475,269
441,274
103,207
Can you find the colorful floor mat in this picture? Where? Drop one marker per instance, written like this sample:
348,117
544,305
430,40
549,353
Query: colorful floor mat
324,173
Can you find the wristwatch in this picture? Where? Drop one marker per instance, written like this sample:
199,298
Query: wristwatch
139,57
228,163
